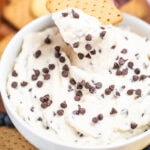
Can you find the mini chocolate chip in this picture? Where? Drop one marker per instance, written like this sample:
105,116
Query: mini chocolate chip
46,76
130,64
98,85
34,77
79,93
113,47
135,77
107,91
64,14
63,104
77,98
14,84
76,45
62,59
142,77
88,56
80,55
121,61
116,66
70,88
80,134
123,86
103,28
100,116
65,73
65,67
36,72
112,87
125,71
72,81
117,93
99,50
146,39
102,95
51,66
93,52
24,83
75,15
87,85
137,56
130,91
76,112
110,71
46,127
79,86
133,125
39,119
45,104
94,119
118,72
102,34
113,111
138,92
57,54
126,38
142,114
30,89
45,70
39,84
88,47
137,71
124,51
57,48
82,111
32,109
88,37
44,98
92,89
37,54
82,82
60,112
14,73
47,40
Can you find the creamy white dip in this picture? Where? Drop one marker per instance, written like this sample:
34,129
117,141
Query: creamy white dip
82,82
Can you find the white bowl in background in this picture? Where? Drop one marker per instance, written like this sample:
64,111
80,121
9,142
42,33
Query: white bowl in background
7,61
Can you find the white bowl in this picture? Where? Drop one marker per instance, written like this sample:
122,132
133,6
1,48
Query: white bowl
32,136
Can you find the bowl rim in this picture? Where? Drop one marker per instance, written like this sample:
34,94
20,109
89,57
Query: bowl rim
10,109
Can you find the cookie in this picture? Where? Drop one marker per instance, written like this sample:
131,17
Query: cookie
138,8
17,13
104,10
11,139
4,42
38,8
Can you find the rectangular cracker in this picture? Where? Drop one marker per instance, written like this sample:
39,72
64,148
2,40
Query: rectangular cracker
104,10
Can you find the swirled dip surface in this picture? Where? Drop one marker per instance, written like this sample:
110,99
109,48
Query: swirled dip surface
82,82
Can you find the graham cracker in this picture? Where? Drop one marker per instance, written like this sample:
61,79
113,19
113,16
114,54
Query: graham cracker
11,139
104,10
